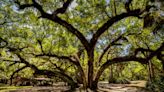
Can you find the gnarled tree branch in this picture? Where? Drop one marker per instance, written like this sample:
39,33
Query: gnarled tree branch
73,59
48,73
110,22
53,17
127,59
12,75
59,57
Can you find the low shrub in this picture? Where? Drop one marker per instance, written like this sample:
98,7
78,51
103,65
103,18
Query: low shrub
156,85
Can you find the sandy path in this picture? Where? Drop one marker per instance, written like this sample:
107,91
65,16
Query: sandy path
135,86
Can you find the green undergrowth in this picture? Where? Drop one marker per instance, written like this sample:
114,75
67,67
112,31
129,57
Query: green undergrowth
10,88
156,85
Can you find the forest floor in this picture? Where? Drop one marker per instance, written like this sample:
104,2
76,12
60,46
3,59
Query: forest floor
134,86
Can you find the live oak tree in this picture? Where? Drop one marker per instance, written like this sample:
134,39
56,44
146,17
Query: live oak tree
90,26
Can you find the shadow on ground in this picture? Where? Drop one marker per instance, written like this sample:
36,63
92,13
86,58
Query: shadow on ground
134,86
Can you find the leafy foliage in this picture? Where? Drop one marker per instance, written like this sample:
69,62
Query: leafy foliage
81,39
157,85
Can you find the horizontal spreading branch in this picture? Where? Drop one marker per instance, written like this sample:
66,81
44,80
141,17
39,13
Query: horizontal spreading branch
48,73
66,78
129,58
58,57
72,59
142,50
59,74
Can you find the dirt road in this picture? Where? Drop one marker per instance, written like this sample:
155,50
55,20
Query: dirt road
134,86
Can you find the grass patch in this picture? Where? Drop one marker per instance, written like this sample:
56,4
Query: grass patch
10,88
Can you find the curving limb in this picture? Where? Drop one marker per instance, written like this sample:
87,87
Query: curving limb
73,59
18,70
48,73
53,17
59,74
110,22
127,59
58,57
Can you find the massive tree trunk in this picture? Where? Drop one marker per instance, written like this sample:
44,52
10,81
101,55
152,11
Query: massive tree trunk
90,68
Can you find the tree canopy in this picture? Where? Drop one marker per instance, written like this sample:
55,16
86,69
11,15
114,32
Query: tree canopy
80,38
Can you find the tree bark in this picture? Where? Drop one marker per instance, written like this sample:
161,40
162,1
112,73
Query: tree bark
90,68
150,71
